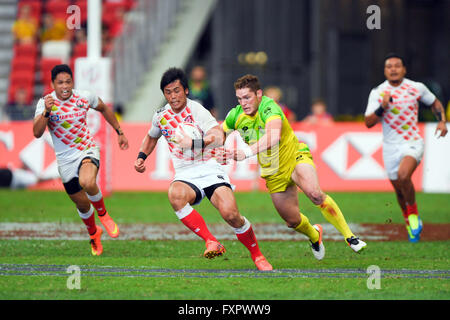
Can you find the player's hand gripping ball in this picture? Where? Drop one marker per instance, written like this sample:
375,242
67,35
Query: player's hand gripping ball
184,134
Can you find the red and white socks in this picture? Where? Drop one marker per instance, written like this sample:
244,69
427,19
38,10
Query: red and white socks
195,222
247,237
89,220
98,203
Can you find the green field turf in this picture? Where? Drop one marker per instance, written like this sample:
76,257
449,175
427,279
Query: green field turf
35,269
145,207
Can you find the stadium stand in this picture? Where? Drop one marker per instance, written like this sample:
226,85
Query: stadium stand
31,63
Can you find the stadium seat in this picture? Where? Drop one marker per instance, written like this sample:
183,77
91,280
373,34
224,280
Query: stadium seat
23,63
111,11
131,4
80,50
46,65
57,8
12,92
23,78
47,89
82,4
21,50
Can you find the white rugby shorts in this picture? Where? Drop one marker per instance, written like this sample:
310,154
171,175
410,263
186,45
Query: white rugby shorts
394,153
69,169
203,175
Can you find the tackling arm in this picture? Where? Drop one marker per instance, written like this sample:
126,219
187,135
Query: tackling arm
215,137
268,140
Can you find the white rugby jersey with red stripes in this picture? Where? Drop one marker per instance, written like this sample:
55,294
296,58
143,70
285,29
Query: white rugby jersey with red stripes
400,118
67,124
165,122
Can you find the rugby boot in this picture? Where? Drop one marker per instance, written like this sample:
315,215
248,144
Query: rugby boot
356,244
411,237
109,224
317,248
262,263
416,224
96,244
213,249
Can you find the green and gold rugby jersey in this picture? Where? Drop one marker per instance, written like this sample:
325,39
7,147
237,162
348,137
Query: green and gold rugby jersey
251,129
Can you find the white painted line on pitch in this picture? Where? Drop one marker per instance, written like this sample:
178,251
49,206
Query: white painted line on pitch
171,231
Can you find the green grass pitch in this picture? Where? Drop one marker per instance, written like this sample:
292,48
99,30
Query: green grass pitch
169,269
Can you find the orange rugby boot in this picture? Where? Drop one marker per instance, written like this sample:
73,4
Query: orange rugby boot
96,244
262,264
109,224
213,249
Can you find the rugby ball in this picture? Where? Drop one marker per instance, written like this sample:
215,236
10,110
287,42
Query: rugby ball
190,129
194,133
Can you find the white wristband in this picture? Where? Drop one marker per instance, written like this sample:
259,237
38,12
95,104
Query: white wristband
248,152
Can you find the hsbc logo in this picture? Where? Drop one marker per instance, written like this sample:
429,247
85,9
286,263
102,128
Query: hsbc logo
34,157
356,156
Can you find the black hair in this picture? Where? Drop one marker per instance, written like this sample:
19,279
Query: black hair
172,75
60,68
394,55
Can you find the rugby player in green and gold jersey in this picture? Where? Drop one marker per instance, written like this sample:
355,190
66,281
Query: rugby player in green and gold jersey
285,163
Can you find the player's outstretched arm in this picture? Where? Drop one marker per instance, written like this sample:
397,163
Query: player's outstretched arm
109,116
215,137
147,147
270,138
439,113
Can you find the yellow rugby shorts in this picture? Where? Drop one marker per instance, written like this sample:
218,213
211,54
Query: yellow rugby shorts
280,181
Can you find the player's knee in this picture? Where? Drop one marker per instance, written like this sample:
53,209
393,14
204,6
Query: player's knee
84,207
231,216
316,196
403,177
87,183
178,200
292,224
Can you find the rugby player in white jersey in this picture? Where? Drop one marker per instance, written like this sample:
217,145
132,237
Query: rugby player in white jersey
395,103
64,112
196,176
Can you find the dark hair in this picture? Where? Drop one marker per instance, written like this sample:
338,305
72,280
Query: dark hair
248,81
60,68
172,75
394,55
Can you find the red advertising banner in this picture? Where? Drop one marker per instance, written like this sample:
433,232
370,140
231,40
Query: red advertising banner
348,157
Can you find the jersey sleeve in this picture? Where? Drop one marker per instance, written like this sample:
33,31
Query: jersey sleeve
426,96
93,99
271,111
228,124
373,102
204,119
40,106
155,130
